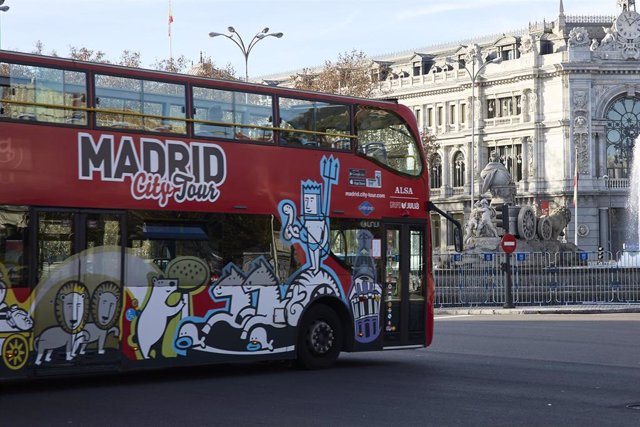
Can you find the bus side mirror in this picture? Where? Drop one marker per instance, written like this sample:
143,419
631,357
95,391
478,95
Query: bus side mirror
457,228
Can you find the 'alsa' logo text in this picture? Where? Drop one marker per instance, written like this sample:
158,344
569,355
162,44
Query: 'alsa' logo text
404,190
158,170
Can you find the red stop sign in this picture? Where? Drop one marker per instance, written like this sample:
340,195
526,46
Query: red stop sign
508,243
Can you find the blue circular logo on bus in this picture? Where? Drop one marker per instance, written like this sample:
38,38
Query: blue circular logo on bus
365,208
131,314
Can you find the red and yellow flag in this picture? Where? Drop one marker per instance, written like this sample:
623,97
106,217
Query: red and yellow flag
170,18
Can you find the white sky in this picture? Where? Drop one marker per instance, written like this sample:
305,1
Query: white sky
314,30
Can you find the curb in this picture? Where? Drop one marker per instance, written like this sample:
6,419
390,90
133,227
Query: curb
538,310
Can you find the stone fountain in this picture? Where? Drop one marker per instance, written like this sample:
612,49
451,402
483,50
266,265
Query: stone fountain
535,231
630,256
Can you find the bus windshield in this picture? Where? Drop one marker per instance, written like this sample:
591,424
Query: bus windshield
385,137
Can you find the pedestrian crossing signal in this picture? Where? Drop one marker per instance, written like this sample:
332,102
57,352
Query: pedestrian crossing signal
502,217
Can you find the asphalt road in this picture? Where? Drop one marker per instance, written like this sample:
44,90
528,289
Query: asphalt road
525,370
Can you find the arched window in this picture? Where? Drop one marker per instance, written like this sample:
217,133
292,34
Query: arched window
623,127
435,177
458,169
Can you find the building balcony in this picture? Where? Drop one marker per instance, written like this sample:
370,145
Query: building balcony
622,183
458,191
503,121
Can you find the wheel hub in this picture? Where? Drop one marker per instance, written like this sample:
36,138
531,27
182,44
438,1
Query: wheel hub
322,337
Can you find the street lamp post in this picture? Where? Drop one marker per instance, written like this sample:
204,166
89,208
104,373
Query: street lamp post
246,48
2,9
473,75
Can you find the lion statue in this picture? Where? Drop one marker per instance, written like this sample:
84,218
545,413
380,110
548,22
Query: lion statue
559,218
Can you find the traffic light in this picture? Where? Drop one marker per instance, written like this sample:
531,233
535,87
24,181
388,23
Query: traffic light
502,217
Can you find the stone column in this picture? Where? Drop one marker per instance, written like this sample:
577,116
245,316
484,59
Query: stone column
446,171
600,142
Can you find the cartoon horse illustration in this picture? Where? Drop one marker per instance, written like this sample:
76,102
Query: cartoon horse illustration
238,303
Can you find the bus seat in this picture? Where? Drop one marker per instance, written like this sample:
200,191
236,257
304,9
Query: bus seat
27,116
377,150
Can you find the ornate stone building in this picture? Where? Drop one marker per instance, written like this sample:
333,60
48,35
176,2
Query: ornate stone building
552,99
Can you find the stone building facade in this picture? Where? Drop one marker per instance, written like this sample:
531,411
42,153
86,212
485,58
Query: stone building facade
553,99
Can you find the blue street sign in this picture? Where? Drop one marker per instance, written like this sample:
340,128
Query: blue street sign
584,256
457,257
488,257
521,256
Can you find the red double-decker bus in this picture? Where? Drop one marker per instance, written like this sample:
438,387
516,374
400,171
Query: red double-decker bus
150,219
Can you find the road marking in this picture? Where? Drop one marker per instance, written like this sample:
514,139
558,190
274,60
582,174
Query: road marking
454,316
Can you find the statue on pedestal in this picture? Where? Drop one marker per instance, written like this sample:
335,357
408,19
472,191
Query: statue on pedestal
497,180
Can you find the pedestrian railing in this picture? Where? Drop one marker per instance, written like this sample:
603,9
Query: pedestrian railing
537,278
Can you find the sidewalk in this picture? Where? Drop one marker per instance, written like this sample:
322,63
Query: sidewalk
554,309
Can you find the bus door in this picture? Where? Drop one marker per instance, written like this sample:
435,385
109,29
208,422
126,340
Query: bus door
404,292
78,265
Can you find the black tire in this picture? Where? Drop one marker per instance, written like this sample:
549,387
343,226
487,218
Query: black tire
319,338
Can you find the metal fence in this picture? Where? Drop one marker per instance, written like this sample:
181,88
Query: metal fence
538,278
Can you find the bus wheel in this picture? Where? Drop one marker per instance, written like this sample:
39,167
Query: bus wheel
319,338
15,351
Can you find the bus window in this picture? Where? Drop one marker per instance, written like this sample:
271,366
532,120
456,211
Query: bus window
350,239
42,94
13,246
56,231
228,114
217,239
316,124
140,104
385,137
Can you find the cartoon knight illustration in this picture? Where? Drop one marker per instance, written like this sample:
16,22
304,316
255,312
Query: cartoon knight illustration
311,230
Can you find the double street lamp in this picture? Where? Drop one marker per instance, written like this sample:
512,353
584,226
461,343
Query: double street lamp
2,9
470,67
246,48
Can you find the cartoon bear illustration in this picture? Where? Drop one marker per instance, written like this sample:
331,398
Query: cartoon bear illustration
156,314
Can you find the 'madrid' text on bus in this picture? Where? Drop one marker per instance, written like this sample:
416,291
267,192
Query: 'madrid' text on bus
158,170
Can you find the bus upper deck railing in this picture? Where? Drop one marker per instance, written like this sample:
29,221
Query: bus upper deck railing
538,278
173,118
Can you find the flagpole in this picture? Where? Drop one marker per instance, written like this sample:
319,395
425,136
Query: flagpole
170,39
575,197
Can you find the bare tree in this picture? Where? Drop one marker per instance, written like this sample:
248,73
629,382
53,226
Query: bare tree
38,49
173,65
349,75
430,144
130,59
84,54
206,68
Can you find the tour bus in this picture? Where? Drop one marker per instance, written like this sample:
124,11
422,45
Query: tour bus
151,220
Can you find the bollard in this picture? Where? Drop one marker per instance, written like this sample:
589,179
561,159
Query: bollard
508,289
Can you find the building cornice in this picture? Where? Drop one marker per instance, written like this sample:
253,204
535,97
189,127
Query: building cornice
466,86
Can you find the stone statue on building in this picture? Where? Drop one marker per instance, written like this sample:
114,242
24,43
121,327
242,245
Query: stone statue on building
626,4
579,37
609,37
